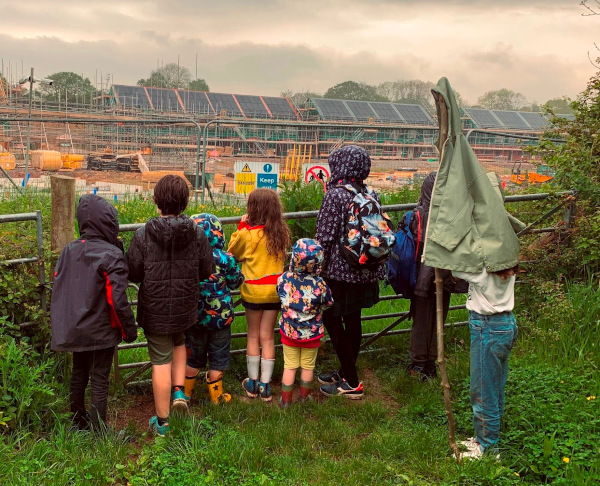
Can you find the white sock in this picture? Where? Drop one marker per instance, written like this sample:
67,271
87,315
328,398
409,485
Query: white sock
253,363
266,371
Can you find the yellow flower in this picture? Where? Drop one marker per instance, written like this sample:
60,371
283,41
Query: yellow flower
566,459
591,397
517,474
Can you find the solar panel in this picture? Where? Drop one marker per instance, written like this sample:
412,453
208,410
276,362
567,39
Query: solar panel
280,108
221,101
361,110
414,114
512,119
195,102
483,118
386,112
332,109
252,106
131,96
164,99
535,120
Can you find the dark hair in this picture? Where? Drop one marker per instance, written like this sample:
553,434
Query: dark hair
171,195
264,209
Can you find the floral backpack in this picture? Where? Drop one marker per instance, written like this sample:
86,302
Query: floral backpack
367,238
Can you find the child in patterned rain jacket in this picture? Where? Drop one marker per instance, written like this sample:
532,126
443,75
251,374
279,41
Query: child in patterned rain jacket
211,336
304,295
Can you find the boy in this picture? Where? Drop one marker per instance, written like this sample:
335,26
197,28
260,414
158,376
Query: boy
90,313
169,255
211,336
304,295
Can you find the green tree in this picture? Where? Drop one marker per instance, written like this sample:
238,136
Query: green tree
198,85
67,86
300,98
168,76
559,105
502,99
351,90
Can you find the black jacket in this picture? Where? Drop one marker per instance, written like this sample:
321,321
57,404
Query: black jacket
89,307
169,257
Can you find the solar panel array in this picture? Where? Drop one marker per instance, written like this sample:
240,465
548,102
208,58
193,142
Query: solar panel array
222,101
164,99
361,109
131,96
195,102
483,118
252,106
332,109
414,114
512,119
386,112
535,120
280,108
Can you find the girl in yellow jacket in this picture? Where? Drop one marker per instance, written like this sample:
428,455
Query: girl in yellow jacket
259,244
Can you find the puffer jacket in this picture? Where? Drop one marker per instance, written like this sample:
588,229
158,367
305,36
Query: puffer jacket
216,309
89,307
349,165
304,296
169,257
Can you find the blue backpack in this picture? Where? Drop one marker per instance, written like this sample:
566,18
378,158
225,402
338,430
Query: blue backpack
402,264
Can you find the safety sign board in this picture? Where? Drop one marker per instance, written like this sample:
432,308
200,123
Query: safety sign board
316,172
252,175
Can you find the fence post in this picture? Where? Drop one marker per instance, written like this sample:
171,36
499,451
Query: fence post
63,211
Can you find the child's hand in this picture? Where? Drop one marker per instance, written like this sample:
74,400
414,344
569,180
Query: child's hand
244,218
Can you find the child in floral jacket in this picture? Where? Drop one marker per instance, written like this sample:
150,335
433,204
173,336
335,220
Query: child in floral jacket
211,336
304,295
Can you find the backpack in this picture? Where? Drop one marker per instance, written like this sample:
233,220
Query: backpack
401,268
367,237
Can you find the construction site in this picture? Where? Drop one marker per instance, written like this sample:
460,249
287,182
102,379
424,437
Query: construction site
136,133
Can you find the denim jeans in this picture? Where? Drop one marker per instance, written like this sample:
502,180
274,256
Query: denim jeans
492,338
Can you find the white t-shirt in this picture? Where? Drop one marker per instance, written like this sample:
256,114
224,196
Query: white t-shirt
489,293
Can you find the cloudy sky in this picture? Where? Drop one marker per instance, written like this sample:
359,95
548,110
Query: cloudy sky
536,47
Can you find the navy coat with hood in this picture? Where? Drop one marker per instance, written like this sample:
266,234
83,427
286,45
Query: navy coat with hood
349,165
89,307
169,257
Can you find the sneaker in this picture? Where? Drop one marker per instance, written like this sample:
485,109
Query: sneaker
159,430
423,373
180,401
250,387
473,451
264,390
343,388
329,378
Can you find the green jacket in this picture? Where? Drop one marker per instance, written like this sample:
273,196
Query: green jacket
468,225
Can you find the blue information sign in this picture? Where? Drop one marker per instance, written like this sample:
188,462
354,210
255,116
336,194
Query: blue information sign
267,181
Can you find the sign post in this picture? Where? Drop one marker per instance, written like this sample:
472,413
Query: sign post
253,175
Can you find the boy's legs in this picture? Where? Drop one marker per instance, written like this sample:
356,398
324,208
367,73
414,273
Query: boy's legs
80,375
291,362
100,374
492,338
196,342
219,346
308,360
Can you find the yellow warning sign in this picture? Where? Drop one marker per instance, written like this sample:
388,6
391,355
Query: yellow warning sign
246,168
245,181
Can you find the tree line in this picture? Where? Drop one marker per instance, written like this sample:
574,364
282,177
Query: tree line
75,88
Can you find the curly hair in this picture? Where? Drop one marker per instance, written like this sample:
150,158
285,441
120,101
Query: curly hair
264,209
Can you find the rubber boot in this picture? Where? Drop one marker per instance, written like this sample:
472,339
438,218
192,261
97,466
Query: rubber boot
188,387
215,390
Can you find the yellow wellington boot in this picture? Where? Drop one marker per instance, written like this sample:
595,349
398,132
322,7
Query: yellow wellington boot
188,387
215,390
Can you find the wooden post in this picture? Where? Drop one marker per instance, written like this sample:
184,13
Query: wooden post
63,211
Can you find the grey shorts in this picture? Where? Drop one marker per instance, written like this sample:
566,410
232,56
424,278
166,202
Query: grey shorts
160,346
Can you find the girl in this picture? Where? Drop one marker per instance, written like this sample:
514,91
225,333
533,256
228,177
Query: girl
259,244
353,288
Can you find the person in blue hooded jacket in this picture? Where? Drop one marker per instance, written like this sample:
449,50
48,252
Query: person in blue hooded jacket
304,295
211,336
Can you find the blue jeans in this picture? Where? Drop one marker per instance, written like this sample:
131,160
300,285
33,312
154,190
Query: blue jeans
492,338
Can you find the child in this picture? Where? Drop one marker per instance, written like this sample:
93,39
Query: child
211,336
303,296
260,243
353,288
90,313
169,255
493,332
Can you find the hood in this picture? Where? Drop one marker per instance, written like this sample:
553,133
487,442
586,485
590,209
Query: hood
307,256
178,231
454,122
97,218
212,227
349,164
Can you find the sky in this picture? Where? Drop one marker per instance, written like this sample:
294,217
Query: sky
538,48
